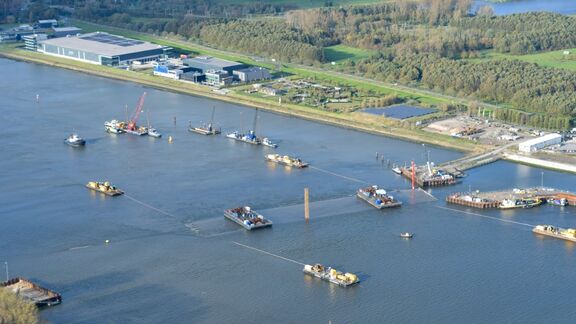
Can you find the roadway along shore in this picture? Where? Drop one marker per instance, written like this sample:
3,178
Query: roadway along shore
360,122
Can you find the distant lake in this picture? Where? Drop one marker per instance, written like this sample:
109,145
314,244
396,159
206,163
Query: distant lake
559,6
399,111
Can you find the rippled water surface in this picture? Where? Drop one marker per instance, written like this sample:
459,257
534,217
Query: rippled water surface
173,258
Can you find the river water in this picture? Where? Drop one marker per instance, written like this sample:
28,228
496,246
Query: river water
567,7
173,258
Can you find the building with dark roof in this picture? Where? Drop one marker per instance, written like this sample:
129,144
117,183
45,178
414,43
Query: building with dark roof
66,31
252,74
103,48
207,63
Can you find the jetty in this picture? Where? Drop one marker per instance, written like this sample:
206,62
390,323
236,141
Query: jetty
494,199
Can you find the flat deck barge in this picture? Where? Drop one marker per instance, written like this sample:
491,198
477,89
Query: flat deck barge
470,200
31,292
286,160
424,178
568,234
204,130
104,187
247,218
377,197
331,275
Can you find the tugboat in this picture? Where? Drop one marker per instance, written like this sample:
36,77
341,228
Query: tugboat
75,140
557,232
332,275
266,142
114,126
247,218
104,187
406,235
511,204
377,197
153,132
206,129
286,160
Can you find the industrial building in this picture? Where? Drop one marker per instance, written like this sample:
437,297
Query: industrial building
31,41
172,71
207,63
103,48
47,23
218,78
65,31
252,74
538,143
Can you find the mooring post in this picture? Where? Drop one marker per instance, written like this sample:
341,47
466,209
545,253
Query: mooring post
413,174
306,204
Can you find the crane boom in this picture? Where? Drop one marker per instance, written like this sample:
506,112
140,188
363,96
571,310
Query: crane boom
134,118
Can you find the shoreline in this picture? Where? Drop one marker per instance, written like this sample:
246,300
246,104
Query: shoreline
355,122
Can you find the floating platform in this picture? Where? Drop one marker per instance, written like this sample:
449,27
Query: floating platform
204,130
377,197
423,179
557,232
247,218
286,160
331,275
31,292
469,200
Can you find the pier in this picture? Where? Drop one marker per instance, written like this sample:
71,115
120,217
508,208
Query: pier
493,199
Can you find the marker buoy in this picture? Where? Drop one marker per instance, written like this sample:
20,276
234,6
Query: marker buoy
107,241
170,139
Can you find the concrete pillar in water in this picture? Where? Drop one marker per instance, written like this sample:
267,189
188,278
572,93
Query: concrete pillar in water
306,204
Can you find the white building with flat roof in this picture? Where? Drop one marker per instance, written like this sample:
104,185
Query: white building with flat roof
102,48
539,143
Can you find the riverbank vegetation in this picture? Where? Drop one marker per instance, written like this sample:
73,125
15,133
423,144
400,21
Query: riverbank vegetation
14,310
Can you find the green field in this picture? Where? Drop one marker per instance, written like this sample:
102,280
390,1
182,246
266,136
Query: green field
339,53
555,59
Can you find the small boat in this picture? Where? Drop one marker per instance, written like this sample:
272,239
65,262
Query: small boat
104,187
114,127
406,235
75,140
154,133
151,131
558,201
31,292
511,204
396,170
266,142
331,275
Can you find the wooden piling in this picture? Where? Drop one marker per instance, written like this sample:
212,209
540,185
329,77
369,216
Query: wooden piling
306,204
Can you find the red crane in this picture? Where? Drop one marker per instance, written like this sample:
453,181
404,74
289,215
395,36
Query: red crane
134,118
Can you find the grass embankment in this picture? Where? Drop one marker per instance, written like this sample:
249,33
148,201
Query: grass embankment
554,59
373,124
339,53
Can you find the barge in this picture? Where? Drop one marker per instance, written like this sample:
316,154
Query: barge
520,203
247,218
331,275
104,187
377,197
470,200
31,292
568,234
205,130
249,138
286,160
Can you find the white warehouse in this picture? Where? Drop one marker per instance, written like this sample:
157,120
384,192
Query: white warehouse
541,142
